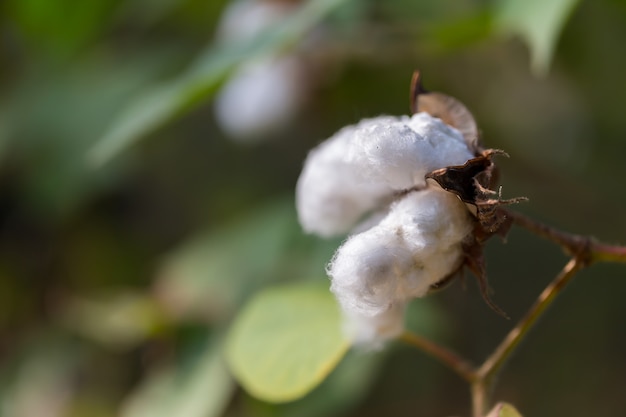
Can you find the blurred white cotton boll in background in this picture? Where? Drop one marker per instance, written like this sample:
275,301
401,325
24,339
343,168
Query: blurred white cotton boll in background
264,94
260,98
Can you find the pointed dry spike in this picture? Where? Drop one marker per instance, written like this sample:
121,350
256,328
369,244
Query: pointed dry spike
475,262
484,291
416,89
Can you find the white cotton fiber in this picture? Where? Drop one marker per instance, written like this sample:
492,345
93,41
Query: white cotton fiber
415,237
353,171
418,244
402,151
332,194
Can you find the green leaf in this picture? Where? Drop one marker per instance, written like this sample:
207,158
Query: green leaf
504,410
286,341
39,376
162,103
200,390
345,387
212,273
538,22
119,321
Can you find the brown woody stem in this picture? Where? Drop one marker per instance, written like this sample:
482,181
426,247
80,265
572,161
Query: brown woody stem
442,354
575,245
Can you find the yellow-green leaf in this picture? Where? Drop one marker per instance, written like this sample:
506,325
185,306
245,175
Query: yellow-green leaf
538,22
504,410
286,341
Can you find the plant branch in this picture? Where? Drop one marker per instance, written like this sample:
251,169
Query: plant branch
442,354
495,361
583,250
574,244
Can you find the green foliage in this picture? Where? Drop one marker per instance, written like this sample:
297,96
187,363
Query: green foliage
286,341
163,102
538,22
198,389
213,273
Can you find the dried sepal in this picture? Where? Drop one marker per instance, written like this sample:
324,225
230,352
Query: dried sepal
475,262
471,182
450,110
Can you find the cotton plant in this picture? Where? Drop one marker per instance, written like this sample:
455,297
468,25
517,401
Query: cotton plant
417,197
410,232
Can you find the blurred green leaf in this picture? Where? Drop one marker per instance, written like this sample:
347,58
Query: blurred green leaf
538,22
212,274
41,378
202,389
504,410
345,387
49,117
119,321
463,31
286,341
164,102
60,26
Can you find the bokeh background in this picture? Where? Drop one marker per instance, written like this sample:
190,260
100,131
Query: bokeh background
134,223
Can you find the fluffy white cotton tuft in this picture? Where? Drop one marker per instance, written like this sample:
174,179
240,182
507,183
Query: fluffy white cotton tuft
332,194
402,151
362,165
416,245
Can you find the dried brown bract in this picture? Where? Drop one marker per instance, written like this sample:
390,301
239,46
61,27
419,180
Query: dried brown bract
473,182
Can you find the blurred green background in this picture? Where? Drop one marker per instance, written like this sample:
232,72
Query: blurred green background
133,228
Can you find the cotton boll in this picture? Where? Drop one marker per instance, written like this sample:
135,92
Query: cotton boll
332,194
416,245
369,271
260,98
402,151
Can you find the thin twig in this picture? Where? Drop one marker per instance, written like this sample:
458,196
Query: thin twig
572,243
444,355
480,398
583,251
491,366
